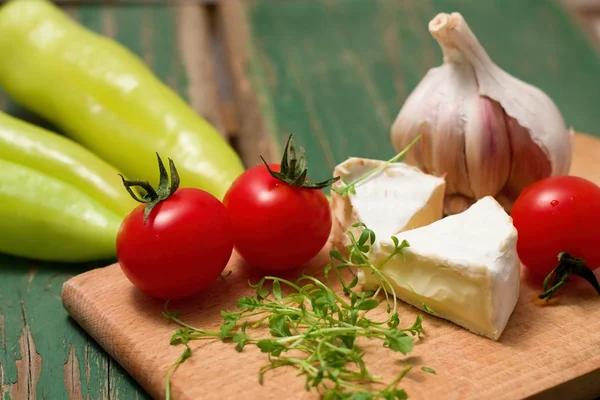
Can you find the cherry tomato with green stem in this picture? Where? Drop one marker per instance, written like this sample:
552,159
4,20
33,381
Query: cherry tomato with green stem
281,220
557,220
178,242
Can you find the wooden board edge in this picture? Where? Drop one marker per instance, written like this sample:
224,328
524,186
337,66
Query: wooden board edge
583,387
72,298
586,143
257,134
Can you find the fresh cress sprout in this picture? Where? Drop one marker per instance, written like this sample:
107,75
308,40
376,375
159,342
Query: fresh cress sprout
349,187
321,325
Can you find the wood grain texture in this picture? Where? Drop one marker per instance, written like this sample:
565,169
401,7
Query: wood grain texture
43,354
544,351
196,49
254,115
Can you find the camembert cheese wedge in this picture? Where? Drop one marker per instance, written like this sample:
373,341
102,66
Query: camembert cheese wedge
395,199
465,267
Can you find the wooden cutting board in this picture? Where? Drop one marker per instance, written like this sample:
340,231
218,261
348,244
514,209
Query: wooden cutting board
549,352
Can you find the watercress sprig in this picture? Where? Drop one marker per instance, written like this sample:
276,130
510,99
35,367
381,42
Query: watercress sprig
349,187
321,326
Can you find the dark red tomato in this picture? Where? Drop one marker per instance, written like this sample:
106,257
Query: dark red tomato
554,215
277,226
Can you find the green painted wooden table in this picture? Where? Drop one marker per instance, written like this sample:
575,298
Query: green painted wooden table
335,73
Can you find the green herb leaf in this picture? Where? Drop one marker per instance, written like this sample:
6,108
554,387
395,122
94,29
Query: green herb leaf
277,290
348,341
395,394
230,315
279,325
417,327
258,285
248,304
335,254
241,340
394,320
271,346
351,187
368,304
225,330
399,341
313,328
353,283
427,308
362,396
427,369
364,236
187,353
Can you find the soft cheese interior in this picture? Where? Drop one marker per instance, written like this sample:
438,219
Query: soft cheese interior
398,198
464,266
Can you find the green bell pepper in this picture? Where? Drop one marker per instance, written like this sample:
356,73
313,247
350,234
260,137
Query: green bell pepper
58,201
104,97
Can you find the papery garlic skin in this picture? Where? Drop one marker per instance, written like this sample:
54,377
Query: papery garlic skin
488,132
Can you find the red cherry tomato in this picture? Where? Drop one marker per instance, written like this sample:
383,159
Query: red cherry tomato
181,249
554,215
277,226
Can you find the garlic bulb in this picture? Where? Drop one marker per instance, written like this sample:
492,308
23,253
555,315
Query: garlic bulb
488,132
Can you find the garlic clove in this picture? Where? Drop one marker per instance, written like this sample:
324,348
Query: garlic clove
455,204
433,110
487,147
415,121
529,162
448,144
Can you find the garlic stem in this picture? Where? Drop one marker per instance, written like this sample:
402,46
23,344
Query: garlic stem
458,42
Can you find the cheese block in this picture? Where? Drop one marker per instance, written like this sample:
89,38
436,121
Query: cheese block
465,267
395,199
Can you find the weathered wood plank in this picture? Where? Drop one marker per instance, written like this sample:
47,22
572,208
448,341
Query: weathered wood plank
582,5
590,22
252,104
337,72
43,353
122,386
195,46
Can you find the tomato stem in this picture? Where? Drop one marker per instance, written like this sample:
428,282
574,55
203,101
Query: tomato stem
162,192
293,168
567,266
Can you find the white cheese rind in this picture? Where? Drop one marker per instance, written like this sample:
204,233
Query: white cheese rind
395,199
464,266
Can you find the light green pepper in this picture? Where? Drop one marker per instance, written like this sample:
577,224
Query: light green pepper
50,153
58,201
104,97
